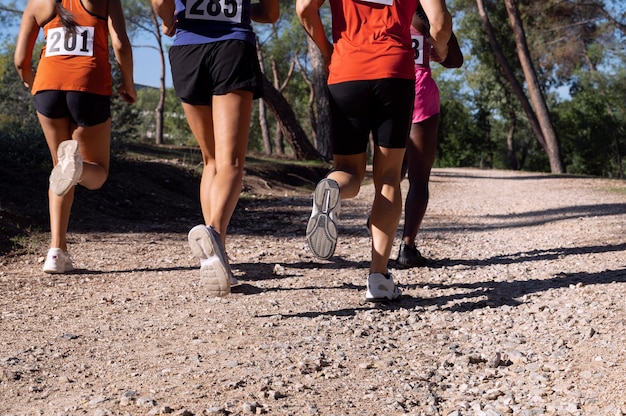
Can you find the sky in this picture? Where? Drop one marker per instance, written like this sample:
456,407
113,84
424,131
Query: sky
147,67
146,59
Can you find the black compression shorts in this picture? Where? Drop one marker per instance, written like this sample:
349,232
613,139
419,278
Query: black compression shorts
84,108
383,107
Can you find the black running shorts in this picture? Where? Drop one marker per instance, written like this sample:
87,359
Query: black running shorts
84,108
383,107
201,71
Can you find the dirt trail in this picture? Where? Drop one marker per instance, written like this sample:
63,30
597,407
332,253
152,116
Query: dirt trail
522,312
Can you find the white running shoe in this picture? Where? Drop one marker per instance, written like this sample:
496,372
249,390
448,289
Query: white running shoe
380,288
205,243
321,230
57,261
68,169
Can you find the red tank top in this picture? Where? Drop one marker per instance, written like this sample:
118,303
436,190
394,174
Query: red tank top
371,40
75,62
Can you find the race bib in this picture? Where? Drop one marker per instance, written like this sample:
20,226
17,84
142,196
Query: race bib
217,10
418,48
383,2
60,41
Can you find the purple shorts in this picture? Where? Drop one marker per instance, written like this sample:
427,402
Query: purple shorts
427,102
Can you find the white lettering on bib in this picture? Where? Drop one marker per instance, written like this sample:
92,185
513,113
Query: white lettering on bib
220,10
418,48
64,42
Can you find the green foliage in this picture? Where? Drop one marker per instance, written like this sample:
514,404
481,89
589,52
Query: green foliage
593,125
175,126
21,138
124,118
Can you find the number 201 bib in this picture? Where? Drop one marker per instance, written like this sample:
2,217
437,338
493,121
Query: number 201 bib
60,41
217,10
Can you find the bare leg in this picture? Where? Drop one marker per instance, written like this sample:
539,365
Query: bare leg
93,144
348,172
222,133
387,206
420,154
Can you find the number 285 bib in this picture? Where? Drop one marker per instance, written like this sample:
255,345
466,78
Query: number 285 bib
60,41
217,10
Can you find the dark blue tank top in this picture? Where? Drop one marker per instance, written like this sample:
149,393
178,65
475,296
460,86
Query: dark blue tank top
206,21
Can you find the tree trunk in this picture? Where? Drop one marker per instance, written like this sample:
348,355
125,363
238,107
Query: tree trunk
286,119
160,108
265,131
534,89
510,143
510,76
320,89
267,145
310,102
279,144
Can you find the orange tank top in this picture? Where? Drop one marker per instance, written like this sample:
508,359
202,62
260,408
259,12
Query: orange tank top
371,40
75,61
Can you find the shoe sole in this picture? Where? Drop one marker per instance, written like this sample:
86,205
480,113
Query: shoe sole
68,169
214,270
382,300
321,230
58,271
404,263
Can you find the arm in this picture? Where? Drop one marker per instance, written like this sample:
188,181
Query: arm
308,13
455,56
166,10
440,25
122,49
266,11
36,10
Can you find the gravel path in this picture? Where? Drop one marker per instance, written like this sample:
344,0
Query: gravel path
521,314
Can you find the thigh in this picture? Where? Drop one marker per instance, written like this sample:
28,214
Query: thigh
94,143
231,126
393,111
422,147
351,114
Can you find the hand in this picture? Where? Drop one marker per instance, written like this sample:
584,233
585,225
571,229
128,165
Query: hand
169,29
438,55
129,95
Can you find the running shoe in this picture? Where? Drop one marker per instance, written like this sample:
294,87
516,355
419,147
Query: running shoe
380,288
321,230
68,169
205,243
409,256
57,262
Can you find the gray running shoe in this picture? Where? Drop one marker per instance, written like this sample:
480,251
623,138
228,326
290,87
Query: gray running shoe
205,243
68,169
380,288
321,230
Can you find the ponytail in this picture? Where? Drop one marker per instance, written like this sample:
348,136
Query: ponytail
422,15
67,18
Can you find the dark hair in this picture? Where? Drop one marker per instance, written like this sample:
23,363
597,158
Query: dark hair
67,18
422,15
